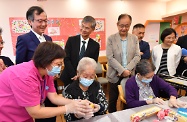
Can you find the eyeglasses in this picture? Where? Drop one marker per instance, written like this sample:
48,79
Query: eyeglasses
58,64
2,42
41,20
124,26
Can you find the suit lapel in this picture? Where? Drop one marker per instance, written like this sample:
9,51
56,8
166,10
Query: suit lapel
77,46
88,47
128,46
47,38
34,38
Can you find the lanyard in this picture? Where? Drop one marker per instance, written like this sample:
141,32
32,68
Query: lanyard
42,92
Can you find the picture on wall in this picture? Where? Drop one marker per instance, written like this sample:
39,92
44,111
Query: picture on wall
59,29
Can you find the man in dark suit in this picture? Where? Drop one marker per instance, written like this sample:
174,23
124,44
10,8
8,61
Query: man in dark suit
77,47
182,42
27,43
139,31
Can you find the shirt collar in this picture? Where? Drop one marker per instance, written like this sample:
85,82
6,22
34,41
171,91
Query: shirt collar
37,35
84,40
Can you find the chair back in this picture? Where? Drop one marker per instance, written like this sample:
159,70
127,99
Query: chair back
99,68
121,94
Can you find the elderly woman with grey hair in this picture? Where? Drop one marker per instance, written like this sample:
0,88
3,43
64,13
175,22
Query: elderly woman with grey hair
86,88
144,88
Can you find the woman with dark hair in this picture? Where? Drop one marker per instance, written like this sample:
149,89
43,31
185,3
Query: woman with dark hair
24,87
166,56
4,61
143,89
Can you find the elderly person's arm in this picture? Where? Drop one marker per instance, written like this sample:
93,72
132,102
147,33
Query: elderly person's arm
132,94
102,102
171,91
70,117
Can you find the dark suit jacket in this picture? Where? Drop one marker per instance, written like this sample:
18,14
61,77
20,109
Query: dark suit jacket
182,42
26,45
71,60
144,47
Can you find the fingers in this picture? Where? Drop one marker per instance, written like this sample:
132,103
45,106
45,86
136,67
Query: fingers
158,101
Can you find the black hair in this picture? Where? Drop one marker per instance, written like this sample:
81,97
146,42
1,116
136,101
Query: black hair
31,10
167,32
46,52
139,25
1,30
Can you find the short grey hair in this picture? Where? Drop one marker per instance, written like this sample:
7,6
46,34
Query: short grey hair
90,19
85,62
1,30
144,67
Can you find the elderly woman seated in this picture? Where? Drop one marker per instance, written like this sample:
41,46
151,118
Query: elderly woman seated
86,88
144,88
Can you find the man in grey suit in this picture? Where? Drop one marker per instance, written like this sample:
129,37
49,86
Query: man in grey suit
123,54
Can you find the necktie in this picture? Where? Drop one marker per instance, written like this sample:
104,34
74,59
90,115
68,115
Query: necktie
81,55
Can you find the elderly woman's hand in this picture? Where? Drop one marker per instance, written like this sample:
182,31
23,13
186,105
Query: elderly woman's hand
174,103
158,101
96,108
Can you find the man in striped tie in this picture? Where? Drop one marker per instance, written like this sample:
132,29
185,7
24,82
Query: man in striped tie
77,47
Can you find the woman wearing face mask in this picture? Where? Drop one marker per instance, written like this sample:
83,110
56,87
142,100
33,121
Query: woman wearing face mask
144,88
86,88
24,87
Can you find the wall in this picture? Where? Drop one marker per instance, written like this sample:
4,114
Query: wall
175,6
109,9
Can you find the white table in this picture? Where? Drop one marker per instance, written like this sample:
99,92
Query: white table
124,116
178,82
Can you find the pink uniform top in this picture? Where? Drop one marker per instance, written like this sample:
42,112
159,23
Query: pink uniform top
22,86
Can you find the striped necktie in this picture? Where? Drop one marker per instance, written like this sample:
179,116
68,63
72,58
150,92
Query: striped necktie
81,55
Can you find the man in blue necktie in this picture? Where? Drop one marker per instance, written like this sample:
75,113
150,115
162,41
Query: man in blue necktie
78,47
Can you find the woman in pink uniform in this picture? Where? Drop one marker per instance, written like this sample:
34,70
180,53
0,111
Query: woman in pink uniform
24,87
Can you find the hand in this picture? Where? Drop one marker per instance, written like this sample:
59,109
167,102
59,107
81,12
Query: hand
74,78
2,65
141,53
185,59
76,107
96,108
158,101
174,103
126,73
88,115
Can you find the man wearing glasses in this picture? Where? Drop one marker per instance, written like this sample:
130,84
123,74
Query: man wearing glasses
123,54
77,47
27,43
4,61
